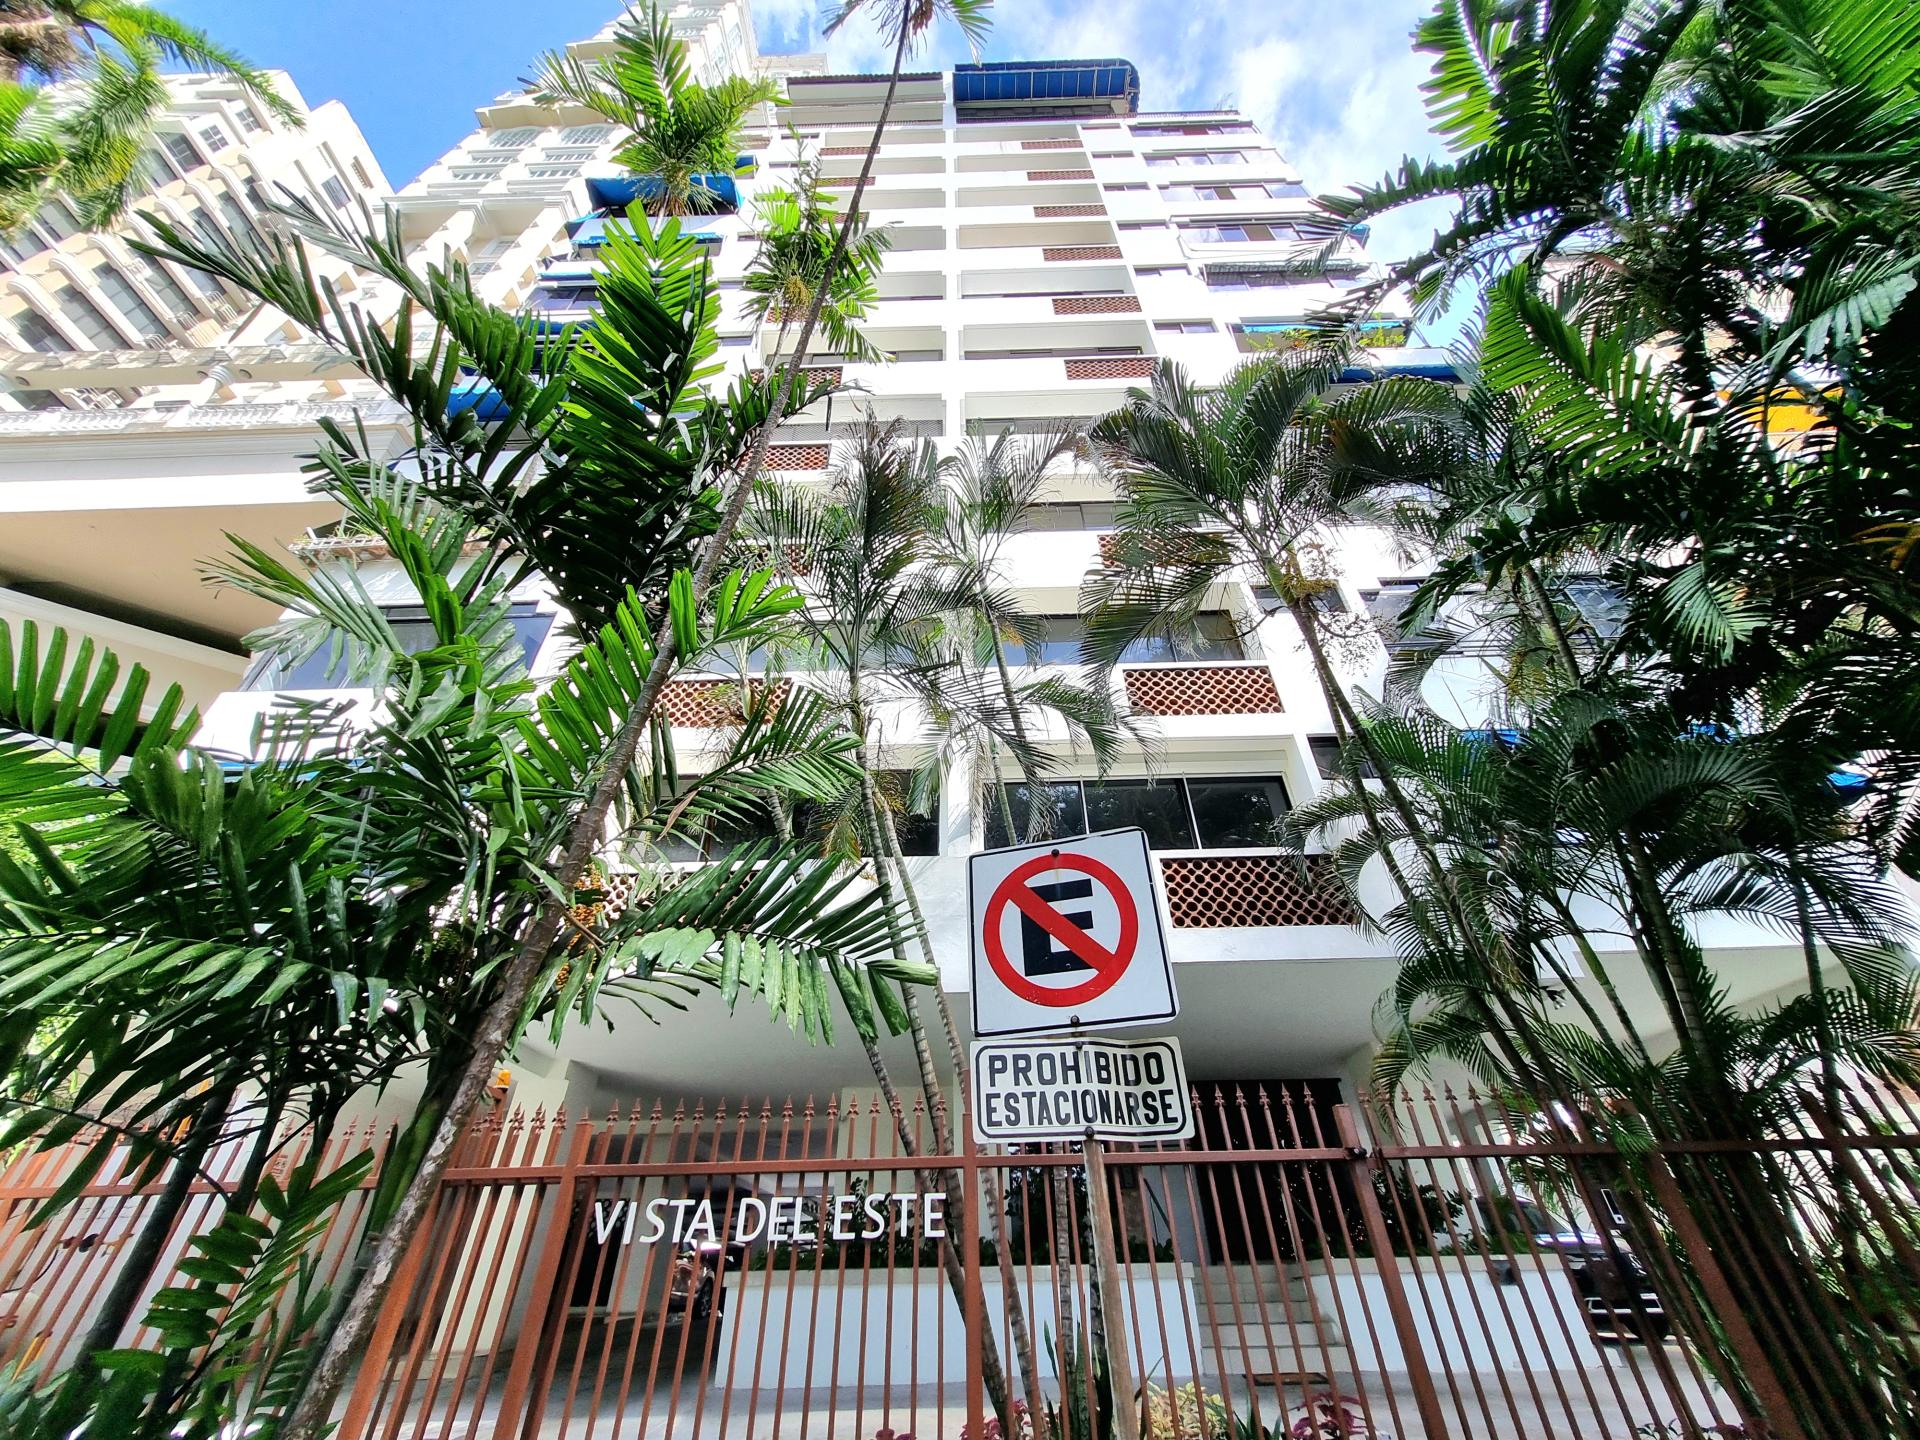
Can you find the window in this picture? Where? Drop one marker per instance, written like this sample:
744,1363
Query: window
1197,157
360,176
511,139
180,148
325,670
468,174
59,221
566,155
1252,279
37,333
1143,224
1160,270
1326,752
1112,154
1242,231
1211,813
169,290
1070,515
552,172
1212,636
1124,185
1184,327
215,138
335,191
1327,599
585,134
491,159
117,288
249,122
1237,814
564,297
814,823
85,317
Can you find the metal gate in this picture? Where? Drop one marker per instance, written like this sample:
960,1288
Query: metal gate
1403,1269
1280,1276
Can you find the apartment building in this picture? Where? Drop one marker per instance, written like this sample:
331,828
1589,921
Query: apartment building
129,448
1053,235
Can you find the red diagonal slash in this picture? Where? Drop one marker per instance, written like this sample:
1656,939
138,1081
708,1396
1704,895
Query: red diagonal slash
1109,965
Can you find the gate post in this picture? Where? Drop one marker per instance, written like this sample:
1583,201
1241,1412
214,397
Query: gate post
541,1299
1365,1166
974,1317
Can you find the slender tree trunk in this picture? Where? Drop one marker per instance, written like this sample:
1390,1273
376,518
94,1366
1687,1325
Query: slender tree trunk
137,1265
990,1189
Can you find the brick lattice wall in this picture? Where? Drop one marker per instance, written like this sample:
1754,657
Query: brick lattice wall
1080,252
1236,892
797,457
1123,367
1039,175
1210,690
706,703
1061,212
1096,305
1049,144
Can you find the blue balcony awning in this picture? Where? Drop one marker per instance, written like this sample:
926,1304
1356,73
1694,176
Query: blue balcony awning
1002,83
478,396
621,192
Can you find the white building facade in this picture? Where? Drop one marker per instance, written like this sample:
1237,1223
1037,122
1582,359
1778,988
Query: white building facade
1051,239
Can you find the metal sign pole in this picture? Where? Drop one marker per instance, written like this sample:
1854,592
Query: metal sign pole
1126,1419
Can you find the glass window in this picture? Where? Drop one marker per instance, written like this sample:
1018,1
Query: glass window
585,134
236,217
181,149
38,334
1184,327
1212,636
169,289
360,174
215,138
1059,643
1062,811
1070,515
117,288
413,630
335,192
1123,185
1155,806
512,139
88,320
1238,814
549,172
249,122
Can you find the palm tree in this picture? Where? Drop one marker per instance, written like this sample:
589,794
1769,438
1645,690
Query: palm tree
798,229
611,494
679,134
230,926
87,139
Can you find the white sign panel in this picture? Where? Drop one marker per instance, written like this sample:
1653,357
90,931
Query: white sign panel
1067,936
1062,1089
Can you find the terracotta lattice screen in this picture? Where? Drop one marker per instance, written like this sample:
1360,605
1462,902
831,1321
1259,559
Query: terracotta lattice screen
1126,367
1236,892
1214,690
1079,252
1096,304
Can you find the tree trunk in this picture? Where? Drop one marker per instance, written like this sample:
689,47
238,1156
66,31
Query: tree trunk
138,1263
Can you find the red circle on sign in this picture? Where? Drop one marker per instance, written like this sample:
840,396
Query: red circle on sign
1108,965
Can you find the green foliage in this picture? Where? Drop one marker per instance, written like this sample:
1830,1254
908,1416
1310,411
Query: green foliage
678,133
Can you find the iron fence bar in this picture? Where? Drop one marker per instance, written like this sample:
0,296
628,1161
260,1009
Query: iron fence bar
1425,1398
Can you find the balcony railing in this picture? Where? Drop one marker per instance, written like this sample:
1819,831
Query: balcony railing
1244,890
1201,688
1096,304
1038,176
1055,253
1122,367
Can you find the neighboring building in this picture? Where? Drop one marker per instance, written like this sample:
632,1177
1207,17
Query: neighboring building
130,448
1051,240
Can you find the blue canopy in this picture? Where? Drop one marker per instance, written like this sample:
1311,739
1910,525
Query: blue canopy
480,397
618,192
1014,81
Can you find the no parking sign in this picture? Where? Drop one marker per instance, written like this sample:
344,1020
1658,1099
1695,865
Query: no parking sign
1067,936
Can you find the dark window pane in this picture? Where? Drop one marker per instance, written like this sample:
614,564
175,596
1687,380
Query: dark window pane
1326,755
1059,644
1212,636
1238,814
1062,812
1157,806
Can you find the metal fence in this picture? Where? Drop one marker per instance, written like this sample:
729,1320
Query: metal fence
1420,1266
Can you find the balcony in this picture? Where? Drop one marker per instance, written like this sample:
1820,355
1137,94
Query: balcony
1061,254
1096,304
1239,891
1201,688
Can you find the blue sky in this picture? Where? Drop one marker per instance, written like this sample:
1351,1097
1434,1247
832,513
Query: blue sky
1335,85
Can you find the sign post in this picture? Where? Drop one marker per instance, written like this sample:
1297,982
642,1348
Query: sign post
1067,936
